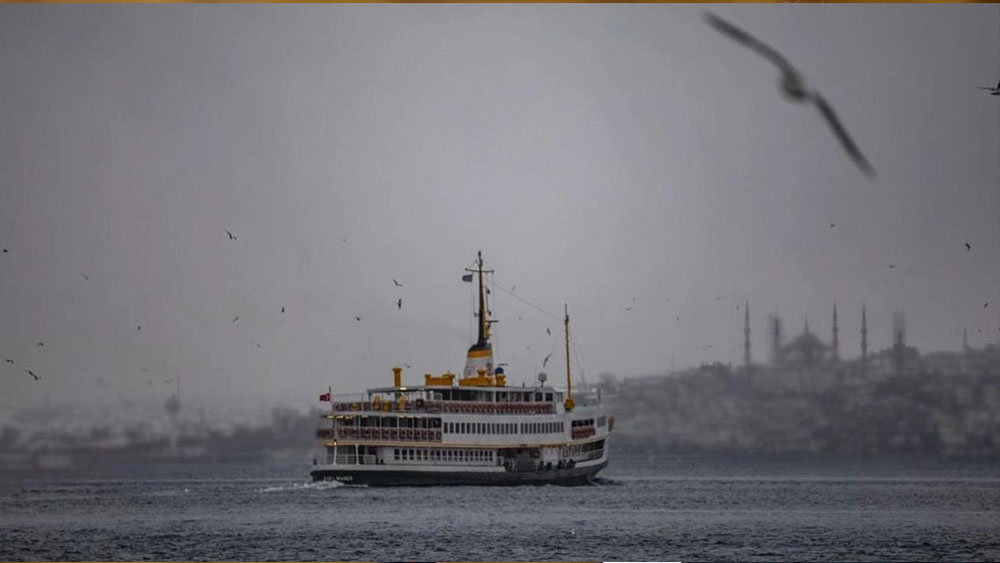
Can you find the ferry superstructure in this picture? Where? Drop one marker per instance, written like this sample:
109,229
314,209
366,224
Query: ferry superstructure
469,430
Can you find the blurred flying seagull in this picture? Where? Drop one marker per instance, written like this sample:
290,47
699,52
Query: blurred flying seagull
396,283
231,235
357,319
236,318
282,309
399,304
32,374
968,247
794,87
40,344
10,361
546,360
993,91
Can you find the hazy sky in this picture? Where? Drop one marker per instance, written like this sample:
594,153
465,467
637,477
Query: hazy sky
596,154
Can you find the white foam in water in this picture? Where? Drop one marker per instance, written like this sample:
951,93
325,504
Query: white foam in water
312,485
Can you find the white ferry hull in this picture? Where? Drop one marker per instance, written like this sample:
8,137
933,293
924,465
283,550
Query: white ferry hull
388,476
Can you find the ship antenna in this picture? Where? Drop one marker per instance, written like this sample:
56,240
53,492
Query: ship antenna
569,386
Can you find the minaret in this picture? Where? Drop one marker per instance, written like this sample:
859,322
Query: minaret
864,340
746,335
835,345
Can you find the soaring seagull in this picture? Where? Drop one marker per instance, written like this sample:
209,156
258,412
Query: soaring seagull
794,87
231,235
396,283
32,374
993,91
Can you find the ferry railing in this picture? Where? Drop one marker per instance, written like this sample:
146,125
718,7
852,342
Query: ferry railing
436,407
389,434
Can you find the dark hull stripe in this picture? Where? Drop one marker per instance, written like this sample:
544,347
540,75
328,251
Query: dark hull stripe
574,476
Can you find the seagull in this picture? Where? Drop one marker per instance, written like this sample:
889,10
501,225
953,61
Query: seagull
546,360
282,309
10,361
985,305
891,266
138,327
993,92
629,308
968,247
407,365
40,344
231,235
399,304
832,225
85,276
357,319
5,251
548,331
512,288
793,87
236,318
145,369
32,374
396,283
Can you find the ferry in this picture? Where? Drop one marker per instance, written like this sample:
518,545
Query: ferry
471,430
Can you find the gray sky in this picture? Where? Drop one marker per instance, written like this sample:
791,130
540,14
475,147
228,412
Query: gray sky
595,153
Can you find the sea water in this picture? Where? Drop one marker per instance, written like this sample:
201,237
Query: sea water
659,507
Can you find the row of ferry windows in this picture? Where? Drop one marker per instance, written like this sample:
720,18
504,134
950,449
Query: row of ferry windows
417,454
503,427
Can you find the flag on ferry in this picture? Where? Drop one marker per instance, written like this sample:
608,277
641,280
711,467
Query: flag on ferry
467,278
325,397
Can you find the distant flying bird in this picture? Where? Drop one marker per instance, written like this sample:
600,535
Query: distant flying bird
968,247
10,361
40,344
236,318
548,331
5,251
629,308
717,298
546,360
282,309
399,304
985,305
32,374
85,276
357,319
793,86
993,92
231,235
407,365
512,288
832,225
145,369
396,283
891,266
138,327
258,345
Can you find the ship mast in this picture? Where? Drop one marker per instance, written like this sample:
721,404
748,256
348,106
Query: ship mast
483,330
569,388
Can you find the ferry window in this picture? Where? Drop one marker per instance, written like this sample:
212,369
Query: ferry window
538,396
461,428
395,454
412,455
548,397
